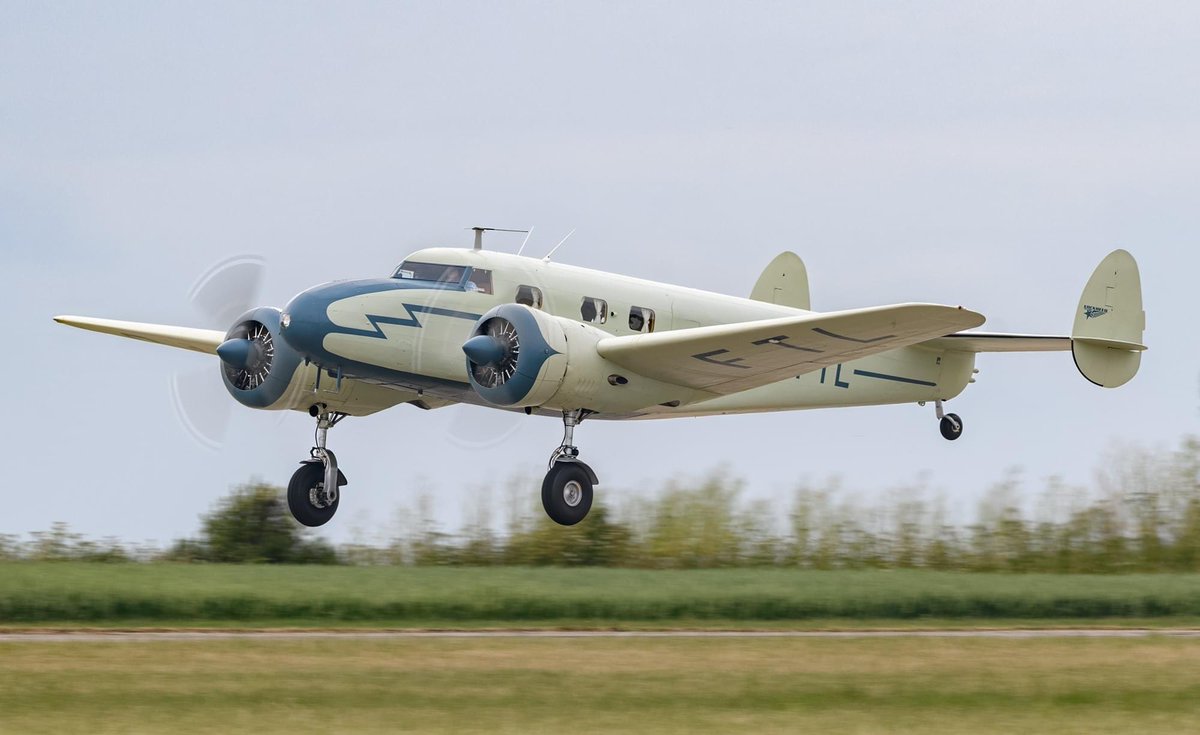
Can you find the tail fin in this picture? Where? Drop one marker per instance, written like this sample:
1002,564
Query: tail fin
784,282
1107,336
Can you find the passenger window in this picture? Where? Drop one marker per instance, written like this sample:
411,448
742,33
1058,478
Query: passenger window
480,280
594,310
641,319
530,296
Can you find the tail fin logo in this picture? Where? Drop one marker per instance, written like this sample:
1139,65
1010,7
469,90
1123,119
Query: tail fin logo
1092,312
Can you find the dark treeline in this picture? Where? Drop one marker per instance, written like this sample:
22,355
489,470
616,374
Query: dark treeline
1141,515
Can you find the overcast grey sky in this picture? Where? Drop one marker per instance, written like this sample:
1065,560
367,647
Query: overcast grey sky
984,154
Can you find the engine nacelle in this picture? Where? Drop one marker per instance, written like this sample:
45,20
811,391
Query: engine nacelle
259,369
520,357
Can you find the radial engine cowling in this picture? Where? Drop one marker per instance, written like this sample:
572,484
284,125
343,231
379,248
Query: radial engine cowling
259,369
516,356
519,357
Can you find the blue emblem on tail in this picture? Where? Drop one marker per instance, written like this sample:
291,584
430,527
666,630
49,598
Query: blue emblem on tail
1091,312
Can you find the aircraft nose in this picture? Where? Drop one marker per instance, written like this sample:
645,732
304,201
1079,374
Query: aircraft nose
305,319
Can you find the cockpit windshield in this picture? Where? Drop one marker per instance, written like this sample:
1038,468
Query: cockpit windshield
430,272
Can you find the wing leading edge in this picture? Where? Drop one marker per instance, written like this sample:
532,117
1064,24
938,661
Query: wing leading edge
730,358
187,338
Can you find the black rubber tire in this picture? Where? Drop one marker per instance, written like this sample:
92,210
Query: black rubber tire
302,490
947,426
561,480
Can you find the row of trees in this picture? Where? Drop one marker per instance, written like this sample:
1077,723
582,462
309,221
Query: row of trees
1143,514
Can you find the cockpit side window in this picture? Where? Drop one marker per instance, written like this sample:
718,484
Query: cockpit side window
435,272
641,319
479,280
594,310
530,296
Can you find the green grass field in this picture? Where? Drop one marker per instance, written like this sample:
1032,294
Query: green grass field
68,593
603,685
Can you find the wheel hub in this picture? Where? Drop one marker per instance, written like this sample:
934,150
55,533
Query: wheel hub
318,498
572,493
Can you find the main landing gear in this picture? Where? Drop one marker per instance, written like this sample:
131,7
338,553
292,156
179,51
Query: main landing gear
949,424
313,491
567,489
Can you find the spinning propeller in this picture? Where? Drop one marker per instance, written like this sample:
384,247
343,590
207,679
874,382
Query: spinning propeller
220,295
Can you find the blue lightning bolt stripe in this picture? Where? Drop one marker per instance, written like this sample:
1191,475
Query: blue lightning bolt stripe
412,321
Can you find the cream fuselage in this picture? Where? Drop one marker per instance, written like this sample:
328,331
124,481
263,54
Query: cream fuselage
400,340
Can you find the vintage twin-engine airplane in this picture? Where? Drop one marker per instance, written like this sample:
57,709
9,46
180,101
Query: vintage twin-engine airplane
526,334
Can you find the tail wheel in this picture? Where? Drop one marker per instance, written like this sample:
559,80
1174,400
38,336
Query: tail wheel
951,426
567,493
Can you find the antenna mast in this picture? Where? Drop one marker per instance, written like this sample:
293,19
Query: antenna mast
559,245
525,241
480,230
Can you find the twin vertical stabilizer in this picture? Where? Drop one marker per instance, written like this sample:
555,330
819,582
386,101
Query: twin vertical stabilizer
1109,322
784,282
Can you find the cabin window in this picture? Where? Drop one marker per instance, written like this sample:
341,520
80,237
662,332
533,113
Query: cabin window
641,319
594,310
531,296
479,280
430,272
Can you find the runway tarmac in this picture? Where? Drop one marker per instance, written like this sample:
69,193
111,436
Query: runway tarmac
117,636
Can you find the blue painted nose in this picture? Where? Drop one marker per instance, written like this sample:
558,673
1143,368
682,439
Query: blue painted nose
484,350
305,320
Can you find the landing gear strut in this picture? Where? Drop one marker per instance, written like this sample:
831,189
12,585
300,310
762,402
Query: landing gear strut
949,424
567,489
313,491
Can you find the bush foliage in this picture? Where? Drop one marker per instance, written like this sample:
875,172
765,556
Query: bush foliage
1142,515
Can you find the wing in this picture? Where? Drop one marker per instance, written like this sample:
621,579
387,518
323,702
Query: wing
729,358
992,342
188,338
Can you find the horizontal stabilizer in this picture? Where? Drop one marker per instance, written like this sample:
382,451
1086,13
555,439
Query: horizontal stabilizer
187,338
994,342
729,358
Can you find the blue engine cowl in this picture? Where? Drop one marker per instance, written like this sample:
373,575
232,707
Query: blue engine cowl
516,356
257,367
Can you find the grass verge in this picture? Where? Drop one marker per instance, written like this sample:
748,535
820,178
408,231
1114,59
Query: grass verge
78,593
